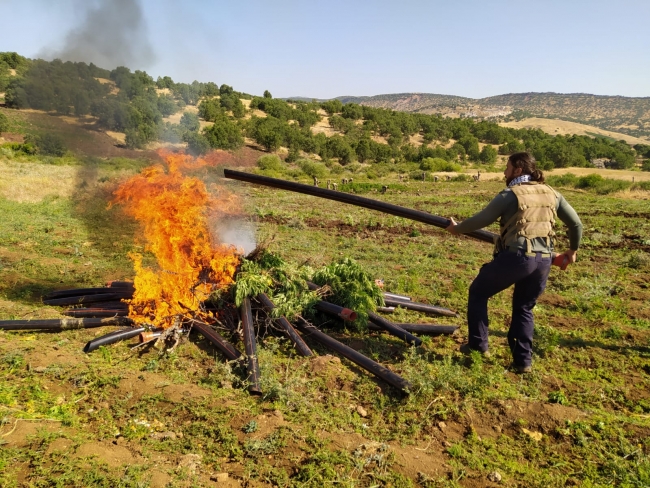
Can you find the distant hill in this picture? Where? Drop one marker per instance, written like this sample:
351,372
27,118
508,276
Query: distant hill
625,115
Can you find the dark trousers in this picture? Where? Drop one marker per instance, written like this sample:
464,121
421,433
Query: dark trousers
529,275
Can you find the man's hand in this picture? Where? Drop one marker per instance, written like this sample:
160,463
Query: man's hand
566,258
451,228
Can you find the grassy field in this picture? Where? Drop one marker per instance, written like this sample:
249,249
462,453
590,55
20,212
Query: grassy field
126,418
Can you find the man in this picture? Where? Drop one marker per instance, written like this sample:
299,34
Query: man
522,257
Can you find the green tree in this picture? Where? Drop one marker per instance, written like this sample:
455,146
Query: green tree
190,122
268,132
332,106
488,154
224,134
197,144
267,94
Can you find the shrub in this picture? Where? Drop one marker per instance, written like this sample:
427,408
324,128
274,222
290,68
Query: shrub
462,177
568,179
438,164
601,185
312,168
642,185
645,166
270,162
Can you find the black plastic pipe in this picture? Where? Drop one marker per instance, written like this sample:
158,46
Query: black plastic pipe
420,307
356,357
396,296
215,338
393,329
96,312
246,316
84,299
389,208
120,284
62,324
77,292
429,329
113,337
333,309
301,346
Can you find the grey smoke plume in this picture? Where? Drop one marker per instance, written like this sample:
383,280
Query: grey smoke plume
112,34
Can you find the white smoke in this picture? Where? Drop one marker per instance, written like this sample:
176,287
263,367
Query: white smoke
240,233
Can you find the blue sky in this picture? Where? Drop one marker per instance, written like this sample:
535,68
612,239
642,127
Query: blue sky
323,49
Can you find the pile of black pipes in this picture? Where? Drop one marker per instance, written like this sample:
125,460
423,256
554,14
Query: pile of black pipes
103,301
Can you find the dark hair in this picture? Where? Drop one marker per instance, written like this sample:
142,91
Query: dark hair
528,166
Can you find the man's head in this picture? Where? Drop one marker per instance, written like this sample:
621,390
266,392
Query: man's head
522,163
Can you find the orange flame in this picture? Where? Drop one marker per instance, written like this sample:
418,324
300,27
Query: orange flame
172,209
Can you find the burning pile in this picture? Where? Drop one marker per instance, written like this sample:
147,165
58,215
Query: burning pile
191,264
198,283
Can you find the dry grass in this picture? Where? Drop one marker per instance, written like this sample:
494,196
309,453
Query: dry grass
323,127
562,127
118,136
33,182
614,174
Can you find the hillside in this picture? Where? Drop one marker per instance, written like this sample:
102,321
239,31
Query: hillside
625,115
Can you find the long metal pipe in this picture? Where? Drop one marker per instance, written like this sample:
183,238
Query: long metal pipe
393,329
356,357
420,307
429,329
62,324
389,208
253,367
215,338
301,346
113,337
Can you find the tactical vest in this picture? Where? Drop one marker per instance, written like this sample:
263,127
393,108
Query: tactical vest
535,216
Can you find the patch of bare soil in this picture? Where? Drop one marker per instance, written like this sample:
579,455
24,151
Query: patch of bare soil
426,458
20,432
107,452
49,355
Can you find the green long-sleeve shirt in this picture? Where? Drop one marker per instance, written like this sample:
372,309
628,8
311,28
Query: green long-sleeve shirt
504,206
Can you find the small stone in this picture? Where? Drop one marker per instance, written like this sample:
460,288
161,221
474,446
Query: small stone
362,411
446,444
191,462
39,369
161,436
219,477
536,436
495,477
442,425
498,428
